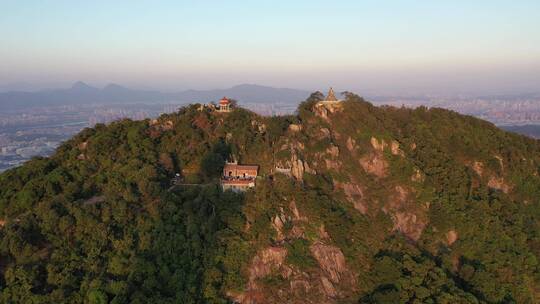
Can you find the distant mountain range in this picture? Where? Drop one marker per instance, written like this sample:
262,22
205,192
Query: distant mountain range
81,93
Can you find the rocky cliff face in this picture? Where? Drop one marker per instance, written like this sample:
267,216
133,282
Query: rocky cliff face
379,178
327,279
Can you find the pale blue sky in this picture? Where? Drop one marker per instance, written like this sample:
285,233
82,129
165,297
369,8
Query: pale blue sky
373,46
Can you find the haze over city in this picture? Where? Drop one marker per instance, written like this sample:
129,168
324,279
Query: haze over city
401,47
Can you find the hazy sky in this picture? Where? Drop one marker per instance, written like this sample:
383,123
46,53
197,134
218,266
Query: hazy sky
368,46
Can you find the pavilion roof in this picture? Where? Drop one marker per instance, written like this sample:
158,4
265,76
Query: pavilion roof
241,167
224,100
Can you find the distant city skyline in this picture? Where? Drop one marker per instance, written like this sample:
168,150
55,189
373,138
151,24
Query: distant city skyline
395,47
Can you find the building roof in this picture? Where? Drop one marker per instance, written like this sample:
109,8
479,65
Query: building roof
331,96
241,167
224,101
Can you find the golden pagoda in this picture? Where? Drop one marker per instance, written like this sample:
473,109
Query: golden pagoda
330,97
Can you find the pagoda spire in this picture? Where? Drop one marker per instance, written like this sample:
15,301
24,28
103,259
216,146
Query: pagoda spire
331,96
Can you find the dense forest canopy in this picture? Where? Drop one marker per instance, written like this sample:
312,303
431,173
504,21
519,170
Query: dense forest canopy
353,204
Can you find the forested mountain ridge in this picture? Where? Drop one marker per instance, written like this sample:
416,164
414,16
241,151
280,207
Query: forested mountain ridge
354,204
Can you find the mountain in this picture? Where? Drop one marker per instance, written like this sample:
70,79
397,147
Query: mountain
81,93
529,130
353,204
249,92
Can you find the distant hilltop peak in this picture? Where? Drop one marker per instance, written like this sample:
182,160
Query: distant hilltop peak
113,87
79,85
258,86
249,85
